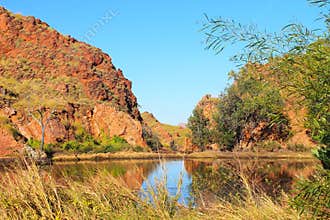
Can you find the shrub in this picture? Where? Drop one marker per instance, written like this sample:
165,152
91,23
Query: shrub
35,144
114,144
86,144
270,146
297,148
138,149
71,145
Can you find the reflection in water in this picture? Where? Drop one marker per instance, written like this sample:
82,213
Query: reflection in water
131,173
222,178
203,181
172,171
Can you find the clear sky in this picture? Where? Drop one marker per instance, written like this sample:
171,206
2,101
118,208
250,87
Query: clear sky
158,44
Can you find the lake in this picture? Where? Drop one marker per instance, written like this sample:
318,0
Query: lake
203,181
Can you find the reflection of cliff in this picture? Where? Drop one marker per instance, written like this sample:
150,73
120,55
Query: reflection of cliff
136,173
222,178
130,173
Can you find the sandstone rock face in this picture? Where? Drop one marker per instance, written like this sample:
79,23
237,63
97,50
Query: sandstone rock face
209,106
55,130
8,145
30,49
107,119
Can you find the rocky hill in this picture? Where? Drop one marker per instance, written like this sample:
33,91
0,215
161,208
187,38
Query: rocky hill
30,49
169,136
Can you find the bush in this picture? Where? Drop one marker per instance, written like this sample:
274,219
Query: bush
270,146
88,144
323,154
114,144
71,145
139,149
297,148
35,144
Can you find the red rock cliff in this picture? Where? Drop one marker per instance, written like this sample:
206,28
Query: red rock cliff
31,49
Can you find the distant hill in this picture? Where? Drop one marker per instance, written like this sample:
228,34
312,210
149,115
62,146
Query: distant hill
167,134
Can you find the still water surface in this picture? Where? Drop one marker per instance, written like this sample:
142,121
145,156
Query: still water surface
203,181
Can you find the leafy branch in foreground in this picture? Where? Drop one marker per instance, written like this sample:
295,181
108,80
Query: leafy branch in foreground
260,46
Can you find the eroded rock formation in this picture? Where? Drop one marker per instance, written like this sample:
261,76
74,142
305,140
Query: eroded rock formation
31,49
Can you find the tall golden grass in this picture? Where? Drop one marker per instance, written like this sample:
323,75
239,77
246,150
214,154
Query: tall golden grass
28,192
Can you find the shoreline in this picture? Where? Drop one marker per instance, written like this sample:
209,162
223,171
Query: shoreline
175,155
196,155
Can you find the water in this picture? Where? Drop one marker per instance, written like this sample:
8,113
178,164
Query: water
203,181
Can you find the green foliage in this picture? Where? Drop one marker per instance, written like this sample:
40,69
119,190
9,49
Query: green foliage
71,145
250,101
35,144
86,143
313,196
221,182
151,138
298,148
139,149
269,146
6,124
308,77
199,126
113,144
323,154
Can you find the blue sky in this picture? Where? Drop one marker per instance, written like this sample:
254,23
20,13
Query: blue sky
158,44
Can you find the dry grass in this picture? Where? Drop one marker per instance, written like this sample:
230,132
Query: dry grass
243,155
118,155
29,192
196,155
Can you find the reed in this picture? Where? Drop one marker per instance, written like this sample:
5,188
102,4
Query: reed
28,192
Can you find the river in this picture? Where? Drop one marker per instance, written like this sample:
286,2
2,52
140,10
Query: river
202,181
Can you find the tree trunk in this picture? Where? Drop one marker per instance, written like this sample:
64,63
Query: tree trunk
43,128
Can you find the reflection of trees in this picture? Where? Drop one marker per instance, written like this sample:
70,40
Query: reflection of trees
210,183
222,179
131,173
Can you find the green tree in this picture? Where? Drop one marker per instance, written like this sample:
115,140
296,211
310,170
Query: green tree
249,102
199,126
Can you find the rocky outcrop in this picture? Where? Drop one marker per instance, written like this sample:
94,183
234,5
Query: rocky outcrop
31,49
8,144
157,128
116,123
209,106
169,135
